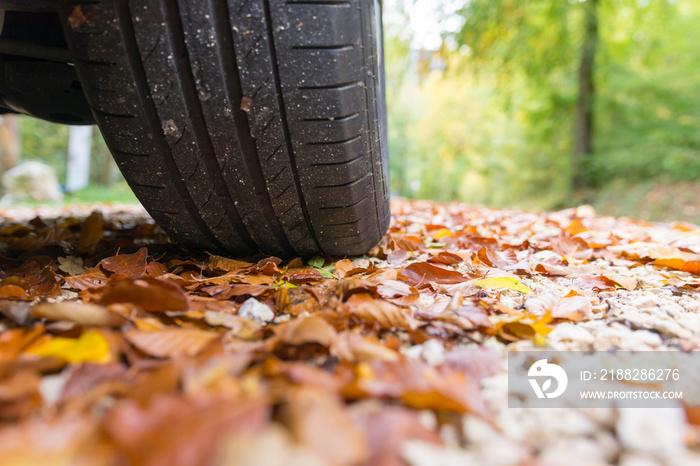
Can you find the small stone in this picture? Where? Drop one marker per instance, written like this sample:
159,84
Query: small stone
256,311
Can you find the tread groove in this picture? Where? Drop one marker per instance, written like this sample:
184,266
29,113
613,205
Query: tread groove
353,222
341,118
346,185
334,87
354,204
283,192
273,153
285,125
193,109
143,90
335,143
234,94
324,47
338,164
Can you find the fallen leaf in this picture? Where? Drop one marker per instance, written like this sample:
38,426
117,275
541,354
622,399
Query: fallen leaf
71,265
418,385
150,294
91,278
355,348
91,346
495,283
14,292
387,429
78,313
171,342
573,308
421,273
312,329
342,267
318,419
91,232
380,312
225,264
128,265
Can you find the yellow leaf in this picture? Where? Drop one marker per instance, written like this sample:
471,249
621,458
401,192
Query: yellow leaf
441,233
503,282
91,346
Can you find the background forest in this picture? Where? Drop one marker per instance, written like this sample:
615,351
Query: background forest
539,104
495,110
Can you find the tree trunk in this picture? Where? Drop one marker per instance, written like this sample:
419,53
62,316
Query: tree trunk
583,126
78,164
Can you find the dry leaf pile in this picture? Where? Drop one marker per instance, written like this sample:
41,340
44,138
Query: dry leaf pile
118,347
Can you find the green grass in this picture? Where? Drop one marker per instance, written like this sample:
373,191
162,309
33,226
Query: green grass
118,193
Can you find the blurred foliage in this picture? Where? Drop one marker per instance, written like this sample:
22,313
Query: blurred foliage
48,143
488,118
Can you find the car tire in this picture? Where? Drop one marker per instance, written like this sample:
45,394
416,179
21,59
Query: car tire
244,126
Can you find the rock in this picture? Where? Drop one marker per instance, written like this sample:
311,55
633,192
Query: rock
256,311
31,180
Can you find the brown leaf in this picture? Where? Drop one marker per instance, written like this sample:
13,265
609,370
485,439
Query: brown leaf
14,292
319,420
304,276
150,294
171,342
355,348
422,273
446,258
387,429
398,257
628,283
418,385
549,269
342,267
91,278
594,283
177,431
226,265
128,265
91,232
313,329
156,269
44,284
231,291
499,258
380,312
572,308
78,313
572,247
398,293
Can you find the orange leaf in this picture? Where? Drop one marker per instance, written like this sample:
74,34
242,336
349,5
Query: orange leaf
418,385
421,273
380,312
171,342
91,232
342,267
92,278
318,420
128,265
148,293
313,329
14,292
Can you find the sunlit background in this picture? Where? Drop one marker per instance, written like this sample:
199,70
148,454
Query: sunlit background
487,99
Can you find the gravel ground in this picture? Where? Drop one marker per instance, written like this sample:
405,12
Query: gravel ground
647,300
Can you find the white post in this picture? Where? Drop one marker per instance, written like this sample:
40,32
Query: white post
78,165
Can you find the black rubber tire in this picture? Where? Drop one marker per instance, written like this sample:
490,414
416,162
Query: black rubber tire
243,125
